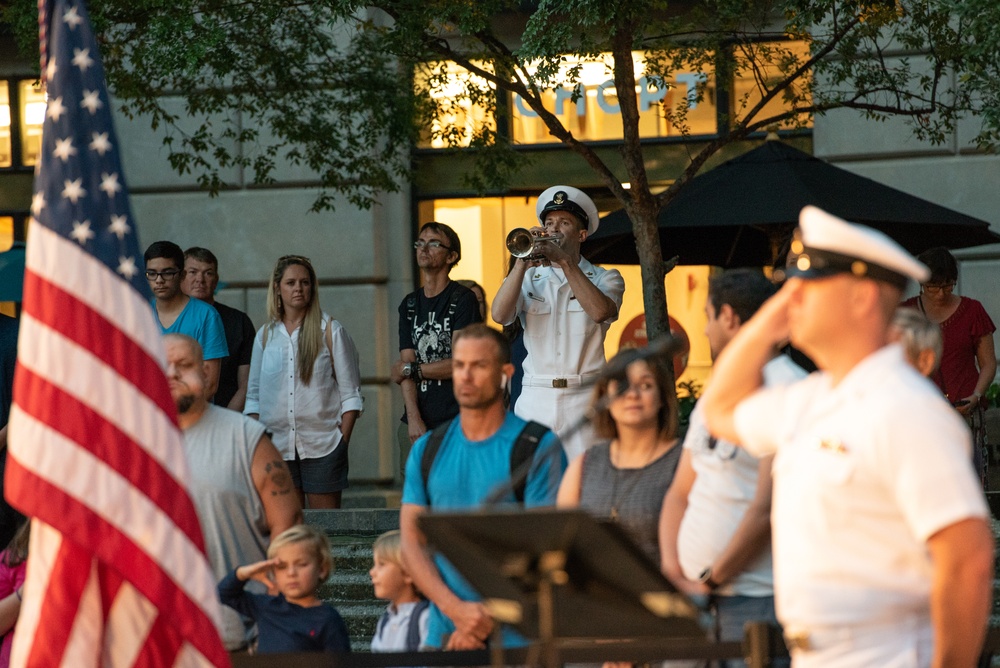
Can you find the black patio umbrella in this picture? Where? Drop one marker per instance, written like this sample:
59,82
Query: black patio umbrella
742,212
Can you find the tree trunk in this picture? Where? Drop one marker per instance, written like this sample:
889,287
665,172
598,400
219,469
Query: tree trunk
644,212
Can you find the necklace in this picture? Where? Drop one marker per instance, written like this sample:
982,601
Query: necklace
626,491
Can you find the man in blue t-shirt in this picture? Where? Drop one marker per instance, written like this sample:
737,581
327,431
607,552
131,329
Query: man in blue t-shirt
473,459
177,313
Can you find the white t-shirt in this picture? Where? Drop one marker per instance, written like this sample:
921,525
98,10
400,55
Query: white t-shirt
725,485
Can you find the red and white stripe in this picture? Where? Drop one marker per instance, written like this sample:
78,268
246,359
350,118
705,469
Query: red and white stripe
116,571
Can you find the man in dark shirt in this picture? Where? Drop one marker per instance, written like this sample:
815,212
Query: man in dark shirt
201,278
427,319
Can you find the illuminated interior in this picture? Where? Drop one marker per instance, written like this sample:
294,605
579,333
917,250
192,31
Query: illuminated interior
482,224
6,149
6,241
31,108
32,100
586,101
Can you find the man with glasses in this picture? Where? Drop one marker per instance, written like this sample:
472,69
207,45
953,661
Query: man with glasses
715,525
201,278
177,313
427,319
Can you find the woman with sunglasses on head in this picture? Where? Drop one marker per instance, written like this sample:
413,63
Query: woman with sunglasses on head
626,479
305,384
968,359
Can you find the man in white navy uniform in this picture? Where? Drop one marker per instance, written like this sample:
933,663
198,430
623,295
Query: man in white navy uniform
566,305
882,551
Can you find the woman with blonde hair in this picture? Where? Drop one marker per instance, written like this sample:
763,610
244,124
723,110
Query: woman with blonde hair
305,384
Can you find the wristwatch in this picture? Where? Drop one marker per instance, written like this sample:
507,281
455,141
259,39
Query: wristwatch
705,577
408,370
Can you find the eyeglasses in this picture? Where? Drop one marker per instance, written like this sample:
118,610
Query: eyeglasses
167,274
943,288
433,244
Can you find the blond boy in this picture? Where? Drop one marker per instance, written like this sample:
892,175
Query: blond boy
403,626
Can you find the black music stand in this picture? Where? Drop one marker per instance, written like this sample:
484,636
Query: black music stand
563,578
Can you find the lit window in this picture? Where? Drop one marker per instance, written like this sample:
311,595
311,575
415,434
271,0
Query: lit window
6,232
32,99
5,145
749,85
463,104
595,114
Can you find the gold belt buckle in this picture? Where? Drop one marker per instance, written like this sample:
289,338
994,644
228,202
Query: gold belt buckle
559,382
798,641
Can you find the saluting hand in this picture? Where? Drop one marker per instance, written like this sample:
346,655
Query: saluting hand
260,571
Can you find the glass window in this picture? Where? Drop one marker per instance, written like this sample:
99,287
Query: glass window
463,104
750,86
594,114
5,145
6,232
32,99
483,224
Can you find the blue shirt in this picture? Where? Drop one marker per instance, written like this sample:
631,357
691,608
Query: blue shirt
202,323
463,474
284,626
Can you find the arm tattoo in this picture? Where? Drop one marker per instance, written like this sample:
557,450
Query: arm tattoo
280,478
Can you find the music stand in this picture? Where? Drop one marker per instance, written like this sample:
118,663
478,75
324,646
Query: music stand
562,577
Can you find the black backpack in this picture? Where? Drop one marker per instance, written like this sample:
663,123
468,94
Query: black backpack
523,451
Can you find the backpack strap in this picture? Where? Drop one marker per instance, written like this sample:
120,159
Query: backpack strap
431,450
411,308
381,624
413,630
453,303
524,451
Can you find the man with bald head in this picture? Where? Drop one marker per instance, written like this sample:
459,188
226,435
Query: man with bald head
882,551
241,487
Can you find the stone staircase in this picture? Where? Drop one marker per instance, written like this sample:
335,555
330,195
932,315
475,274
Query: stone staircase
352,532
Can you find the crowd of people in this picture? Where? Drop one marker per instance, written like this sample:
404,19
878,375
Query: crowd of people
841,504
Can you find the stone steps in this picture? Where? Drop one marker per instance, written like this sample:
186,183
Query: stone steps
349,589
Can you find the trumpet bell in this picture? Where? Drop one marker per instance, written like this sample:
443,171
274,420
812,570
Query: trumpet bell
522,244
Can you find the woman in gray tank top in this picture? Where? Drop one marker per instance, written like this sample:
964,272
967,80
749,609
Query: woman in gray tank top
626,479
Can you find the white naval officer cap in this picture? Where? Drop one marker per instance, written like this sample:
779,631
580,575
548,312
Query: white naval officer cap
568,198
828,245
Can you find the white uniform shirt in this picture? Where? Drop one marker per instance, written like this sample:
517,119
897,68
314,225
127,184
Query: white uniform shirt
303,418
561,339
864,473
723,490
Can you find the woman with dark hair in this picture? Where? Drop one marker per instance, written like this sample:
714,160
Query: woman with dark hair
305,384
627,478
968,358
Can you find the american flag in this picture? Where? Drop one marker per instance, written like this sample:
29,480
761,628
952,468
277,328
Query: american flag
117,574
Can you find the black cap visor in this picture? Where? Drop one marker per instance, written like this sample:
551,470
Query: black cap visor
566,205
815,263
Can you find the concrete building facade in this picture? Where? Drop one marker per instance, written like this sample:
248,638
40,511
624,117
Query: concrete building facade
364,258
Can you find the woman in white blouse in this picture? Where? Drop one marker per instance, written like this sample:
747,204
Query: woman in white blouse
305,384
